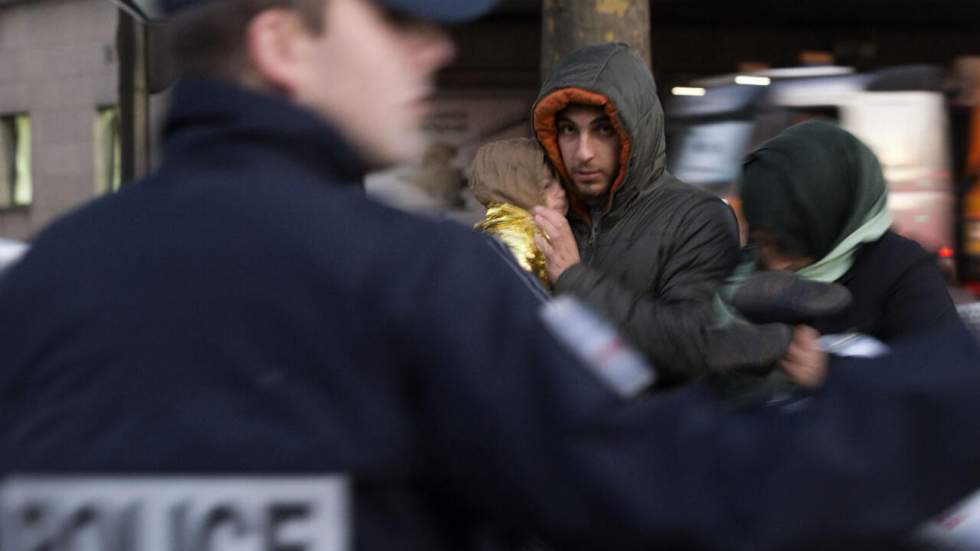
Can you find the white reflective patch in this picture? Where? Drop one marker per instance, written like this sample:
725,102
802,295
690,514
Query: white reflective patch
958,529
853,344
180,513
599,346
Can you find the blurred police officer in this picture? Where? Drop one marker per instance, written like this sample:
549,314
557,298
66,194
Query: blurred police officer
246,310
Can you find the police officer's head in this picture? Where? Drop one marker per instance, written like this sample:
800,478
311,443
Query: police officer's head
366,66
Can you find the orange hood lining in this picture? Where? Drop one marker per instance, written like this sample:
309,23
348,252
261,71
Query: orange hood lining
546,130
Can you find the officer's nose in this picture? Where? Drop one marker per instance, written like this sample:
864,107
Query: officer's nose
432,48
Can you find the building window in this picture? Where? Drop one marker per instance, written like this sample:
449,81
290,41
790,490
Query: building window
16,188
108,160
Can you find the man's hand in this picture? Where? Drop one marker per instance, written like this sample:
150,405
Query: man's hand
805,362
557,243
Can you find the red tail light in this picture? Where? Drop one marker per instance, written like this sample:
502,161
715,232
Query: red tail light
946,252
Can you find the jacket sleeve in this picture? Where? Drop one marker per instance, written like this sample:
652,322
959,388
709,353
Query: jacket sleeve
518,429
668,327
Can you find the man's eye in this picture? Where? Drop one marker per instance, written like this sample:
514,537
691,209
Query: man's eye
565,129
606,130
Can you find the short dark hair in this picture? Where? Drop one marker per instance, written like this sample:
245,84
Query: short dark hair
209,40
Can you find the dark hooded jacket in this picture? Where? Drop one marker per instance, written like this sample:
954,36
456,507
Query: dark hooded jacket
654,256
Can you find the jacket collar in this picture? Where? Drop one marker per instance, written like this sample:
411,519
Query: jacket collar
209,115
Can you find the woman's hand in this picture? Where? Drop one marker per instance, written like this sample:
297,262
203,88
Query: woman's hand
805,362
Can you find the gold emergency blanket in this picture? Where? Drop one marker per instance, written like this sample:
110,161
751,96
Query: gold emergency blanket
515,227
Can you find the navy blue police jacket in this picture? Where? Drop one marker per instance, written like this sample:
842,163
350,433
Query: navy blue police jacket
247,309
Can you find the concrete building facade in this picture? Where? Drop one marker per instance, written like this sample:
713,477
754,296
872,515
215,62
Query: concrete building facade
58,71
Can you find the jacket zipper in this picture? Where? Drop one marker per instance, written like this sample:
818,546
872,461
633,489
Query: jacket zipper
593,233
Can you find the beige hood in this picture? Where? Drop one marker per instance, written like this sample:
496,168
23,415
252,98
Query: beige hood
509,171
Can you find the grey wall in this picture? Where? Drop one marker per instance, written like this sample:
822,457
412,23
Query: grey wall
57,63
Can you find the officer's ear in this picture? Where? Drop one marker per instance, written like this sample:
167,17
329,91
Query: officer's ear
276,42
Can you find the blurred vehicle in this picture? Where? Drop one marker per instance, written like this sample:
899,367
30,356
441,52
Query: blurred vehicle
10,251
901,113
971,317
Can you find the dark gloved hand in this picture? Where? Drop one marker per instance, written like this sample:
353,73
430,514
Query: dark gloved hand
784,297
746,347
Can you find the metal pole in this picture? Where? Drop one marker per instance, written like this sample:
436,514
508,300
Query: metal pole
134,105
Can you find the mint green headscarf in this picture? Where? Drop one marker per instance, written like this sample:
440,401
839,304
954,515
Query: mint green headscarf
820,191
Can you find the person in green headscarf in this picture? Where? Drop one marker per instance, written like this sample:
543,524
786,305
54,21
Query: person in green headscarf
815,203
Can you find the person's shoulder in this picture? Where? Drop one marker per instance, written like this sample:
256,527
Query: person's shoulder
430,252
676,194
894,249
691,204
891,258
672,184
77,224
893,240
431,240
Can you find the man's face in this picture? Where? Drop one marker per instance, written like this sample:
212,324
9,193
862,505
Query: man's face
371,75
590,150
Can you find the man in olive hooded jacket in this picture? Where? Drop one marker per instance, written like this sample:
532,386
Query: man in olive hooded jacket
643,248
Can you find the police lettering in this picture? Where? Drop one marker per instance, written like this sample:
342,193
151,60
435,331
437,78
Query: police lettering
187,525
